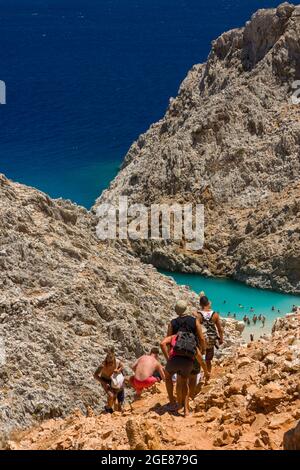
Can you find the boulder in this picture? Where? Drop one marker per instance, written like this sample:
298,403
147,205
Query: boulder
212,414
267,398
259,422
277,421
244,361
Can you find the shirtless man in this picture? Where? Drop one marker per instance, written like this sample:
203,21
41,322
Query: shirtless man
148,371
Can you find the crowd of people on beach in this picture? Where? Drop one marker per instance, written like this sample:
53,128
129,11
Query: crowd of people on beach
188,351
260,318
255,318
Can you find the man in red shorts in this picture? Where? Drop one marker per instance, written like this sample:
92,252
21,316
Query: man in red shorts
147,371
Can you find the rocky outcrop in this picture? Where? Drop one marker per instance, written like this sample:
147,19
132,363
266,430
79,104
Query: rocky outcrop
230,140
65,299
251,402
142,435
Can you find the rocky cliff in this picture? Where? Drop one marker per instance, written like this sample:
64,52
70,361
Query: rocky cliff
230,140
65,298
252,402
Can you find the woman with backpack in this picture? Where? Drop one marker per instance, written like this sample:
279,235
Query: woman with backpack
214,331
180,346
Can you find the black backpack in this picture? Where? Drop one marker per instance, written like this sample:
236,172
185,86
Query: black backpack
186,343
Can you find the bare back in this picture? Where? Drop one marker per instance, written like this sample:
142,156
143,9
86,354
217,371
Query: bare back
145,367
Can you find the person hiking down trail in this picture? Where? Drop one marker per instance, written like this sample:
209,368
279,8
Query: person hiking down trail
173,328
214,331
181,365
148,371
110,375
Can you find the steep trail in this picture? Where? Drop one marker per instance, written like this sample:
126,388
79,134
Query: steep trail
250,403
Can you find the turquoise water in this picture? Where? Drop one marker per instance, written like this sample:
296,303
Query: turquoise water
236,294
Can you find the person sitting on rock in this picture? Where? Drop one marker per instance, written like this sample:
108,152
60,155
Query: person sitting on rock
147,372
110,376
191,323
214,331
182,365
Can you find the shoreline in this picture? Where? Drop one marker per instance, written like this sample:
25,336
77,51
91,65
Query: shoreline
259,331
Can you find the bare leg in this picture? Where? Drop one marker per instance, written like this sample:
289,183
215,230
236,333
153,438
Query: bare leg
203,365
193,385
179,392
109,393
170,388
198,389
185,395
110,399
209,366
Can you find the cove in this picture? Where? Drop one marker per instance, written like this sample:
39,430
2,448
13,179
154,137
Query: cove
235,293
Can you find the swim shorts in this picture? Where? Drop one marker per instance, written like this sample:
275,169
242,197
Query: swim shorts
180,365
140,385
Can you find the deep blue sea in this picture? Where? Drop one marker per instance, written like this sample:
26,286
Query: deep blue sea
85,77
